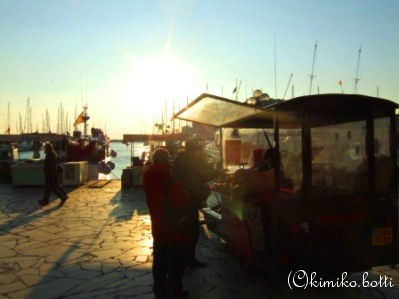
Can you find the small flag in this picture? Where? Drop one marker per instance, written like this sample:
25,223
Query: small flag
340,82
79,120
235,89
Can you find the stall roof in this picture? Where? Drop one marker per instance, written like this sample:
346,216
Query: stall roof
342,103
151,137
216,111
221,112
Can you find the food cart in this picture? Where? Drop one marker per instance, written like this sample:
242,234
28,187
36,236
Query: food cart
327,201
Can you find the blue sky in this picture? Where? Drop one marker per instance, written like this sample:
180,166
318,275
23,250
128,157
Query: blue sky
132,57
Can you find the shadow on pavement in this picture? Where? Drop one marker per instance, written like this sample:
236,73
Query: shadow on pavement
24,201
127,203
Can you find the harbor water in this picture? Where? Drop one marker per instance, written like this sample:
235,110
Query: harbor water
122,160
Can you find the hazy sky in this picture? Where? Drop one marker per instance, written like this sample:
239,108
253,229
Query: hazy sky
128,58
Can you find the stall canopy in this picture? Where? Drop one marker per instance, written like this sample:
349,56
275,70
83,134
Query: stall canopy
216,111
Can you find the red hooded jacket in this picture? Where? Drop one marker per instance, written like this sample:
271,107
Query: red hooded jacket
167,202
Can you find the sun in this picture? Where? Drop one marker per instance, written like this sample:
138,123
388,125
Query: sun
149,89
154,84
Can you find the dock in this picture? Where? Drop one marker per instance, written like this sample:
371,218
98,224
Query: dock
99,245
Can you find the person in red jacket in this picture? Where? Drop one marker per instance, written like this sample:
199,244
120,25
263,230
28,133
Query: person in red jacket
167,201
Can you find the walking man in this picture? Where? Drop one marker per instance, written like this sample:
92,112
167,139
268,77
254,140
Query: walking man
50,169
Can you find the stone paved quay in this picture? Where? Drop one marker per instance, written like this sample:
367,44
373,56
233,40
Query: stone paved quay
98,245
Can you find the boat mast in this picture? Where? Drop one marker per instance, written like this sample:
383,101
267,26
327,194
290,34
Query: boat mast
43,122
30,120
8,119
181,122
47,121
76,115
173,119
166,115
20,123
275,67
85,119
66,122
357,79
312,75
58,120
61,120
28,115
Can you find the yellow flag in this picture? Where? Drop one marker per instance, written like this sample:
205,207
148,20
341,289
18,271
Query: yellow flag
79,120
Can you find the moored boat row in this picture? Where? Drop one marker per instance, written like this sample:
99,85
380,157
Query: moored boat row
94,149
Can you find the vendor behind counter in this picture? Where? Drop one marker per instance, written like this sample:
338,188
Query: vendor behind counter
258,181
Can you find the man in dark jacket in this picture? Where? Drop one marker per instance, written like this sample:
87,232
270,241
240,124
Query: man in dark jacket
191,168
166,200
50,169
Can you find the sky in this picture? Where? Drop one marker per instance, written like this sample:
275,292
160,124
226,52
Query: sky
133,61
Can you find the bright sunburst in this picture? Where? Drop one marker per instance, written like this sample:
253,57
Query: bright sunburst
154,82
165,78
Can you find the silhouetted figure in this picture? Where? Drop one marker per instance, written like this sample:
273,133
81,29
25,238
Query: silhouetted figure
37,144
167,202
270,160
50,169
191,168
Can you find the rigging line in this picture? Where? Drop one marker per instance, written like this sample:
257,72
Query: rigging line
288,85
115,175
357,79
312,75
275,66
